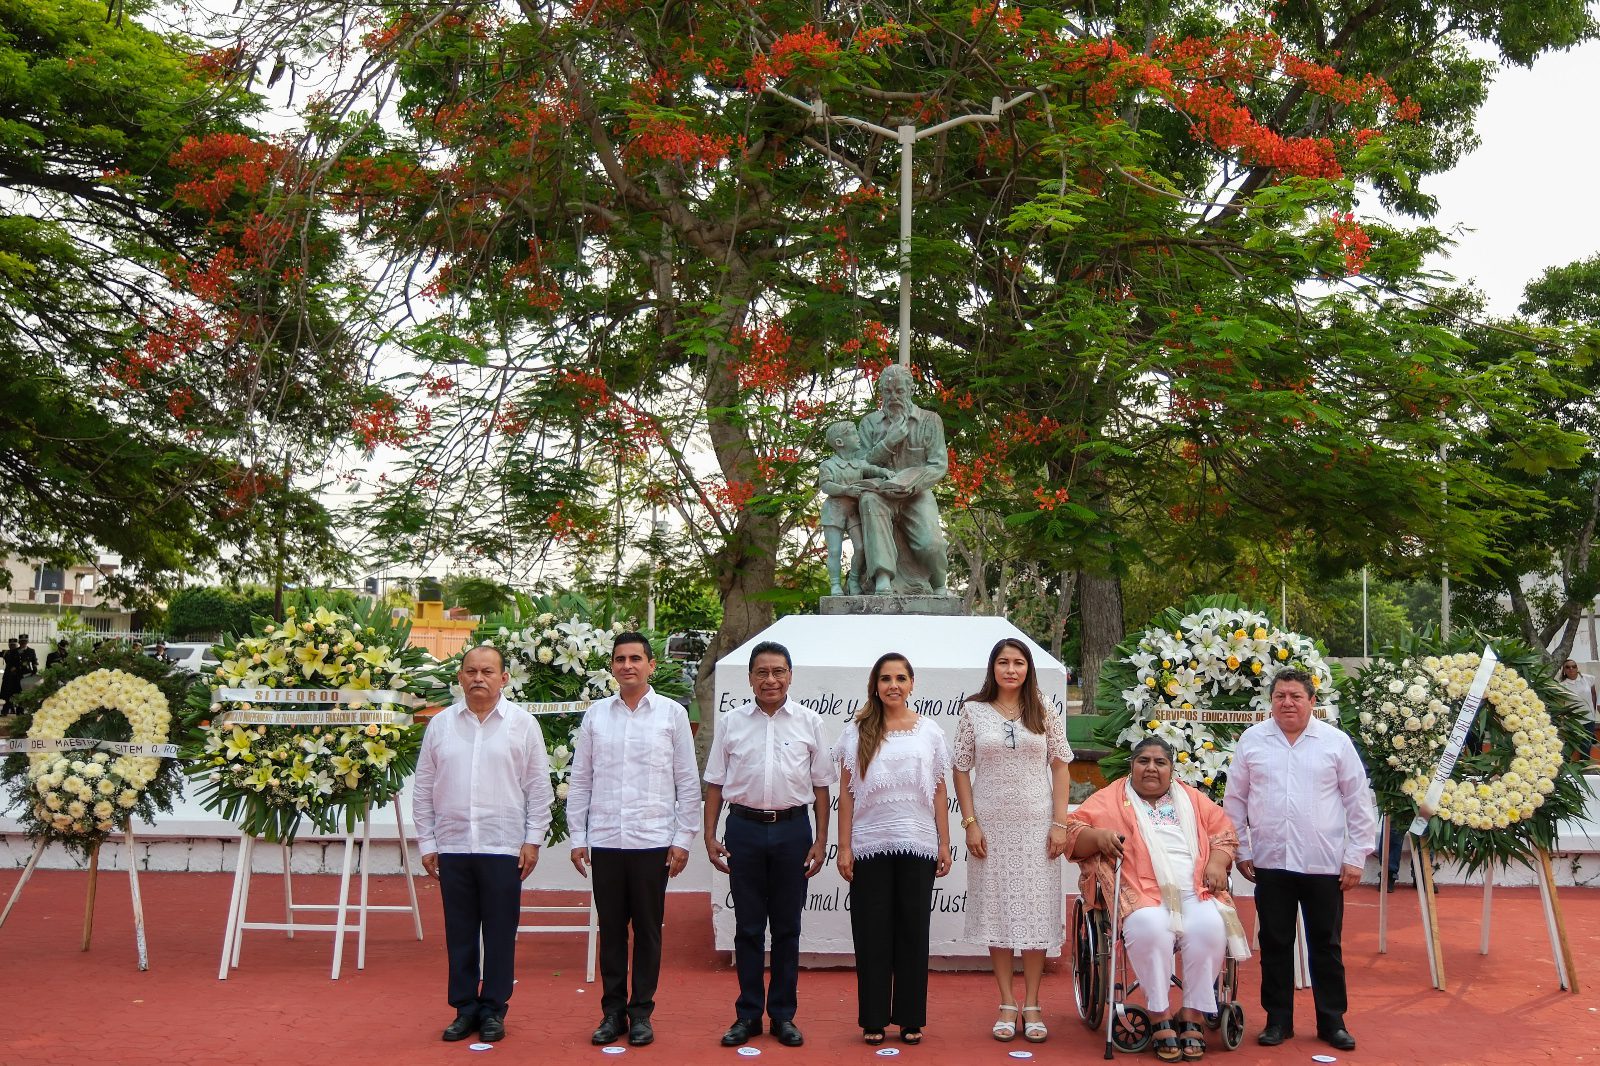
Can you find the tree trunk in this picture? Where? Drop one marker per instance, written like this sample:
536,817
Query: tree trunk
1058,624
745,568
1100,607
746,573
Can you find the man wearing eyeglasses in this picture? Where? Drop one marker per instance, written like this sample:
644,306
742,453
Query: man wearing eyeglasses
768,760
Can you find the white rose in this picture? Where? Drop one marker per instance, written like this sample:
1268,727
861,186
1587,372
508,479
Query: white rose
1414,724
1416,694
562,790
1397,686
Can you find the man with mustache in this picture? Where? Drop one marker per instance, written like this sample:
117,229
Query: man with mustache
481,800
905,545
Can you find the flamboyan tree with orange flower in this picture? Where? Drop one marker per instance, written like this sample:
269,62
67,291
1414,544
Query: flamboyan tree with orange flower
160,350
1152,300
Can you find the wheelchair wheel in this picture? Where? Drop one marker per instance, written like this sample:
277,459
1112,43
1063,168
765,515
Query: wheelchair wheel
1131,1030
1091,963
1232,1026
1227,982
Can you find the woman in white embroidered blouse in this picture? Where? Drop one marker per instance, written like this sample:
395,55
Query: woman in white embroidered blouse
894,839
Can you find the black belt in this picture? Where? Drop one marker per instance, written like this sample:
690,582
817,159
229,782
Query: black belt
755,814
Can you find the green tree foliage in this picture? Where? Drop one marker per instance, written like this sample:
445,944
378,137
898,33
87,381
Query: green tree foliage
136,407
1547,571
209,612
1142,301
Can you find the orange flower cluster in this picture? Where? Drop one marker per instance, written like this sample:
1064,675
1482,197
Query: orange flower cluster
811,47
379,424
672,141
1355,241
229,163
1196,75
1049,501
766,367
871,38
1009,19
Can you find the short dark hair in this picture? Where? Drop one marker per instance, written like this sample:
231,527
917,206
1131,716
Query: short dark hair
23,637
632,637
500,654
1153,742
1293,674
770,647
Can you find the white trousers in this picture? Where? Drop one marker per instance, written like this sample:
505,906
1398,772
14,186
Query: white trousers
1150,946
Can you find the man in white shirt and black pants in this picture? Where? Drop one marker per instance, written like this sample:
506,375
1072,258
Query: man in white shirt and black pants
481,800
633,807
1297,793
769,762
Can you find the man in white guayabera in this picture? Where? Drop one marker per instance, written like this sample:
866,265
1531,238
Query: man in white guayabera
1297,794
634,809
481,799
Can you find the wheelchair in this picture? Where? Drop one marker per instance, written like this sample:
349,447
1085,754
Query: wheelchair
1102,981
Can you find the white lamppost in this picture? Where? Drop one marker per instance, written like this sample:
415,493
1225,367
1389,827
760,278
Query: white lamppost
907,137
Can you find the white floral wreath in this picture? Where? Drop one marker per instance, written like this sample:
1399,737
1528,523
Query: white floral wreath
78,793
1412,724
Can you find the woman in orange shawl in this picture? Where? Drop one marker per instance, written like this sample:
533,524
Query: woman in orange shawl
1176,846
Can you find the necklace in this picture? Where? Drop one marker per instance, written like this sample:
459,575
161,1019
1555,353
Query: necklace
1010,714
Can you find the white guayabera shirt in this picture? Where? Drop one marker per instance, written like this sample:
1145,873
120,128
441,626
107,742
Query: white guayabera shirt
770,762
1303,807
634,783
482,788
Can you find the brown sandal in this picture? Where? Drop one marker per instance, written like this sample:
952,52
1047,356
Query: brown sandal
1166,1048
1192,1037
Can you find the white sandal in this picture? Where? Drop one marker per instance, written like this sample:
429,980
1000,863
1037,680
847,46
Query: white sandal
1034,1032
1003,1030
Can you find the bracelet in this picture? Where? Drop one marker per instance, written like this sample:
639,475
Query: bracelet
1056,825
968,820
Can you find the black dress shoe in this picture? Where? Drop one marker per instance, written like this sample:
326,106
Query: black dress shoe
493,1028
788,1034
611,1027
1339,1038
1273,1035
640,1033
464,1026
741,1031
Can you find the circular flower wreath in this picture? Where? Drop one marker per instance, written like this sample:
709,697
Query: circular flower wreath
78,797
267,777
555,655
1214,653
1499,803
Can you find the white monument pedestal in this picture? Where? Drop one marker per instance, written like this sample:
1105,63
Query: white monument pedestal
832,658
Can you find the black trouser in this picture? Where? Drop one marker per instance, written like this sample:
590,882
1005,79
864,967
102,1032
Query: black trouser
891,904
767,876
1279,894
630,889
482,896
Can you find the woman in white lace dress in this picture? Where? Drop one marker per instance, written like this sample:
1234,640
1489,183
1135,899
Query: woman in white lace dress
894,839
1012,783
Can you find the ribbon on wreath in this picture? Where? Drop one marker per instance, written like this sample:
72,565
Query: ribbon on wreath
1458,737
32,745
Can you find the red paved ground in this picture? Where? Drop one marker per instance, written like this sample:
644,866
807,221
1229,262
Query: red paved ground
65,1006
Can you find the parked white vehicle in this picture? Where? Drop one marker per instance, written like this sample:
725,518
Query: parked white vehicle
196,658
